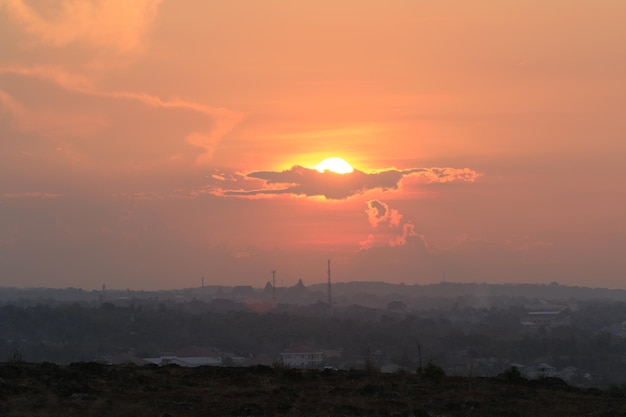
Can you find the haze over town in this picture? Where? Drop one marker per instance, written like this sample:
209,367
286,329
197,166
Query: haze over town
152,145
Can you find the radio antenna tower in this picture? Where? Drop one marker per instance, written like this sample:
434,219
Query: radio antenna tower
274,285
330,292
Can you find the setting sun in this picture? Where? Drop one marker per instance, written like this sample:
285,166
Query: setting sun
336,165
400,138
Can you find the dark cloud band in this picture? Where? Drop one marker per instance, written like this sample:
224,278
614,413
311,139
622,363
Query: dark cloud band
308,182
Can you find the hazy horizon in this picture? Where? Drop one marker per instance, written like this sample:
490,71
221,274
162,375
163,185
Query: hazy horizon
318,286
150,143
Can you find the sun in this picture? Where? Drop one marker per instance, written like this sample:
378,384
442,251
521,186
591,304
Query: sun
336,165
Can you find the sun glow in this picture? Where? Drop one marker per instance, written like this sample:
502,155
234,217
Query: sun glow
336,165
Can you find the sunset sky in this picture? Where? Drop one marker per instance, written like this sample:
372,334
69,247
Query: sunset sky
146,144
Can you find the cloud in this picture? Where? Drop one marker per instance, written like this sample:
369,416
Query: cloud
378,212
80,84
63,122
396,234
212,123
408,230
301,181
37,195
368,243
526,243
110,24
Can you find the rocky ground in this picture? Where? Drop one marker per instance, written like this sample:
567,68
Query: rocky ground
90,389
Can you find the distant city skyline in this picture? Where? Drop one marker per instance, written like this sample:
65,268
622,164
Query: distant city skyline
148,144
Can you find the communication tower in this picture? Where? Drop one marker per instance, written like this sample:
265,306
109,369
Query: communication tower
274,285
330,292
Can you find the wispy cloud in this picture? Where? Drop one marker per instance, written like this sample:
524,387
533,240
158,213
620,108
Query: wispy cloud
219,121
34,195
301,181
62,122
368,243
408,230
98,23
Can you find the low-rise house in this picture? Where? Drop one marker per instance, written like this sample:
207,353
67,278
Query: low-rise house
554,318
390,368
261,359
303,357
189,362
542,370
618,330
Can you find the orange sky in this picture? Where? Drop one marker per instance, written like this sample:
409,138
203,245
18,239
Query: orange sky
149,143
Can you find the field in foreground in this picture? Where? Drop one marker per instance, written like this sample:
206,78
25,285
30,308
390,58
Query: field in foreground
90,389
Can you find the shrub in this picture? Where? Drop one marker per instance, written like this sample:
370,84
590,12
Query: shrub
511,375
431,371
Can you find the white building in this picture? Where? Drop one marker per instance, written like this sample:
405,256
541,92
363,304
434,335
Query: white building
303,357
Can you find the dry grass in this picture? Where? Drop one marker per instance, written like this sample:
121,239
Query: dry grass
92,390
